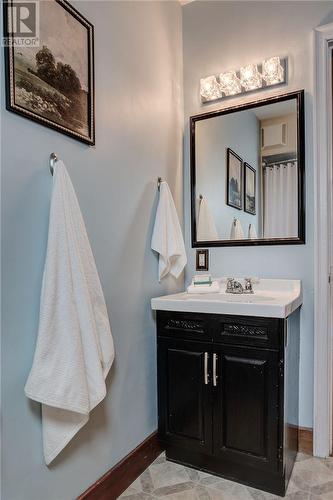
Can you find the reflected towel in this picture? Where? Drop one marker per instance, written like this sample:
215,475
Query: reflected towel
206,226
252,234
236,232
74,350
167,239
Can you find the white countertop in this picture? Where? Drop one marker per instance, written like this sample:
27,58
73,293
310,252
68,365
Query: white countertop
271,299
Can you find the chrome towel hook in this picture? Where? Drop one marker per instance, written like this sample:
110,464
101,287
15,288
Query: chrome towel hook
53,160
159,181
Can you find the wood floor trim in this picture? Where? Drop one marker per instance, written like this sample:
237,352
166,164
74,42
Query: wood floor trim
305,440
121,476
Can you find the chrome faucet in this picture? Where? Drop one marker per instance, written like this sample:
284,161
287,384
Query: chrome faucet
234,286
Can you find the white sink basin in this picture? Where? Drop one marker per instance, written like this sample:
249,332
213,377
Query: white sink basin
271,299
249,299
219,297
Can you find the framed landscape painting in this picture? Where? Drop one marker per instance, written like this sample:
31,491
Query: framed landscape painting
234,180
50,79
249,189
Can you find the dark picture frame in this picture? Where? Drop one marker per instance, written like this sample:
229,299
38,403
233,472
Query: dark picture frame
298,96
250,199
234,180
65,102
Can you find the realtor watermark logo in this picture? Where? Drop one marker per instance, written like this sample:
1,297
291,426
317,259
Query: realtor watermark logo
22,24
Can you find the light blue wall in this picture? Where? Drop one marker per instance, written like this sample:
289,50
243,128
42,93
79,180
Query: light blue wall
138,125
240,132
218,36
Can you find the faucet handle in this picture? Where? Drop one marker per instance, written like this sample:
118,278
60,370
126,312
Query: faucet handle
248,285
254,280
230,284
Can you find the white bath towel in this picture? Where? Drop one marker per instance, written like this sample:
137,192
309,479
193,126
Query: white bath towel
167,239
236,232
206,230
74,350
252,234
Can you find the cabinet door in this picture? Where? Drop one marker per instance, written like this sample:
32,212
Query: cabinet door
246,406
184,393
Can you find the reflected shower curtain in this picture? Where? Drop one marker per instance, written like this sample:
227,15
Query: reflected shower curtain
281,201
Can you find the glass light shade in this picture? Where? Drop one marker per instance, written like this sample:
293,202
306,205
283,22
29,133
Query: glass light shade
250,77
209,88
230,84
272,71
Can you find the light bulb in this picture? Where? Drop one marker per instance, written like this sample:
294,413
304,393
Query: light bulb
250,77
230,84
272,71
210,89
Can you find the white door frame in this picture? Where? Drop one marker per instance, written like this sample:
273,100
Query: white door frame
323,388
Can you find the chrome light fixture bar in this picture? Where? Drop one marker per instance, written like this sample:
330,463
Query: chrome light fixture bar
270,72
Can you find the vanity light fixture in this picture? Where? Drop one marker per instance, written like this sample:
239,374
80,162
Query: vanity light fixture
210,89
271,71
230,83
250,77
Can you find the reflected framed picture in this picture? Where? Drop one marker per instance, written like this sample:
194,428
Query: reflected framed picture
234,180
249,189
50,72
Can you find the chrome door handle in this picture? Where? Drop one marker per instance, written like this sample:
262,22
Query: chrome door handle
206,374
215,377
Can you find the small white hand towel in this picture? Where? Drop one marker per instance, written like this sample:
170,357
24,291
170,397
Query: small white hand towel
167,239
74,350
252,232
213,288
206,226
236,232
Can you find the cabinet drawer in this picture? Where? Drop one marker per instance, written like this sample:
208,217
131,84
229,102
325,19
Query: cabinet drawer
244,330
182,325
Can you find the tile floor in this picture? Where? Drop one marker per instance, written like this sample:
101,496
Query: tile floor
312,479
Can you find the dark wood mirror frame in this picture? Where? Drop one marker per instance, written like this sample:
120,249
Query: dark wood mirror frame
298,96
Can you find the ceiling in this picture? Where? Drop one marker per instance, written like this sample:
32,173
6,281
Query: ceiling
276,109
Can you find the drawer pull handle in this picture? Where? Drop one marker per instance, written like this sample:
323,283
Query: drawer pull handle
215,377
206,374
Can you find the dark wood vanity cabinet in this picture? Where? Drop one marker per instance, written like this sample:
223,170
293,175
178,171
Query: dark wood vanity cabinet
228,395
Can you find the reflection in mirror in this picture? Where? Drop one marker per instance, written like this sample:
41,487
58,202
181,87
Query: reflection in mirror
246,173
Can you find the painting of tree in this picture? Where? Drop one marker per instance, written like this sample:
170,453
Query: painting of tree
53,83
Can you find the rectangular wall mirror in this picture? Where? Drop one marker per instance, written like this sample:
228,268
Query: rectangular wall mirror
247,174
